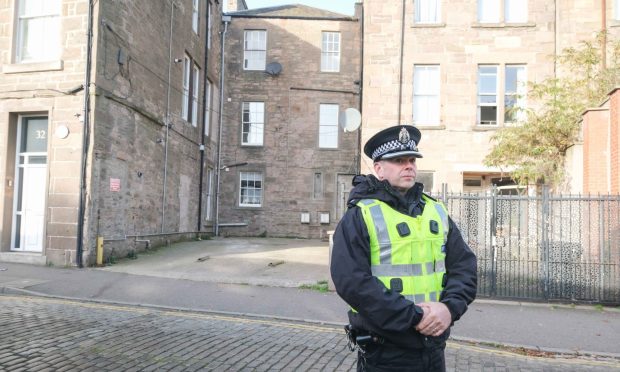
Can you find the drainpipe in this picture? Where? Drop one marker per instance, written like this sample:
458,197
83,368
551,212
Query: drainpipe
402,49
226,19
167,120
204,105
361,86
85,135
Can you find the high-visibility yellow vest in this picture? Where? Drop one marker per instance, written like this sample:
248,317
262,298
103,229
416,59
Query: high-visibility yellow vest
411,249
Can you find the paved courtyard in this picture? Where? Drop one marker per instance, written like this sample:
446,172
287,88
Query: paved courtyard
40,334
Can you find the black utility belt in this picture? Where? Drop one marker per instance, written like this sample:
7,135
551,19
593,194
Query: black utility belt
362,338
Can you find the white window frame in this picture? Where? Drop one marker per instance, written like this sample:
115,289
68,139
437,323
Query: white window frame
503,93
187,72
195,15
254,50
482,94
249,194
43,25
328,125
209,25
330,51
427,11
426,95
195,94
507,11
518,95
207,114
209,201
252,126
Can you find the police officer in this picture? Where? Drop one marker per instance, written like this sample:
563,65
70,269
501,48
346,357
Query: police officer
400,262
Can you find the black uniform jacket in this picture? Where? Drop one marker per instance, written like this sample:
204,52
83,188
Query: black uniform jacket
380,310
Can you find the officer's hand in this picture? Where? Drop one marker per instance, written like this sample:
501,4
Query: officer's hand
436,319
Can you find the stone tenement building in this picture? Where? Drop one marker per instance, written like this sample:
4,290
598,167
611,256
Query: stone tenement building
291,164
146,135
458,69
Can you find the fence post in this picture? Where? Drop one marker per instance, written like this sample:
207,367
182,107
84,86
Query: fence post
545,219
444,193
493,237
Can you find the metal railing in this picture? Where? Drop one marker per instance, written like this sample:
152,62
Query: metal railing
547,247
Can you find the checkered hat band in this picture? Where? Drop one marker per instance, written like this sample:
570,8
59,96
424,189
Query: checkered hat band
393,146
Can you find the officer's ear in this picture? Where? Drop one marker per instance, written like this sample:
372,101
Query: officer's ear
378,167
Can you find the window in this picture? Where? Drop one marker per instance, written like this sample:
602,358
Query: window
191,86
195,15
207,115
330,52
253,123
187,71
487,95
195,93
328,126
209,26
255,50
426,83
495,108
514,98
250,189
617,10
209,201
514,11
427,11
38,30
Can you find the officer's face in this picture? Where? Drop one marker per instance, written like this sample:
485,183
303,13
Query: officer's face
399,172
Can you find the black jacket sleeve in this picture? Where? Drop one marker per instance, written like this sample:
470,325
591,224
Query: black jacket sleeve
351,273
461,270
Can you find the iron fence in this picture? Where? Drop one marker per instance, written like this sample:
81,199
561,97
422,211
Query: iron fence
547,247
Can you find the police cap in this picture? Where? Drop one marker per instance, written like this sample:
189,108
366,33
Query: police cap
394,142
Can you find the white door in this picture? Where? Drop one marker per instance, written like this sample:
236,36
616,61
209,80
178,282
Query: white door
31,170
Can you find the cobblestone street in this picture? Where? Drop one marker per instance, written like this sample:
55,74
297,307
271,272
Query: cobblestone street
39,334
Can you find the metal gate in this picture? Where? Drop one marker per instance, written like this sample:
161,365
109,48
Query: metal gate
548,247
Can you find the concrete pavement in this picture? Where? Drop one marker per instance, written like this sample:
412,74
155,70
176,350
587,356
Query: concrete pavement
262,276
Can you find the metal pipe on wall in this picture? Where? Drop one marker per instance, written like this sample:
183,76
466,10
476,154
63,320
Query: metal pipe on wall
85,142
204,119
167,120
226,20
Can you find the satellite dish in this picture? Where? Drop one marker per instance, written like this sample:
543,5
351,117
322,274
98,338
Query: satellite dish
273,68
350,119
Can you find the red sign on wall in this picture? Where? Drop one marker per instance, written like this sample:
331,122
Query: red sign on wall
115,184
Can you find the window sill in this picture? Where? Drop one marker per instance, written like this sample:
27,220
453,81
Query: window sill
502,25
16,68
430,127
485,128
614,23
428,25
329,148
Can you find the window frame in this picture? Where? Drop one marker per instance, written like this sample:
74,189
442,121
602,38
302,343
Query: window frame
207,114
196,16
426,93
24,20
502,94
501,13
485,94
420,11
330,51
251,124
249,53
241,188
209,24
331,125
187,72
195,93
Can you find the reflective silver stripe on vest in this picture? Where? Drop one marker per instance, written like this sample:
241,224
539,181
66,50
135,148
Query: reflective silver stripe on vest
397,270
367,201
432,296
385,245
440,266
444,221
416,298
430,267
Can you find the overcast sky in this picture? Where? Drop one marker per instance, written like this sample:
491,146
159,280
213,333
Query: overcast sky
338,6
